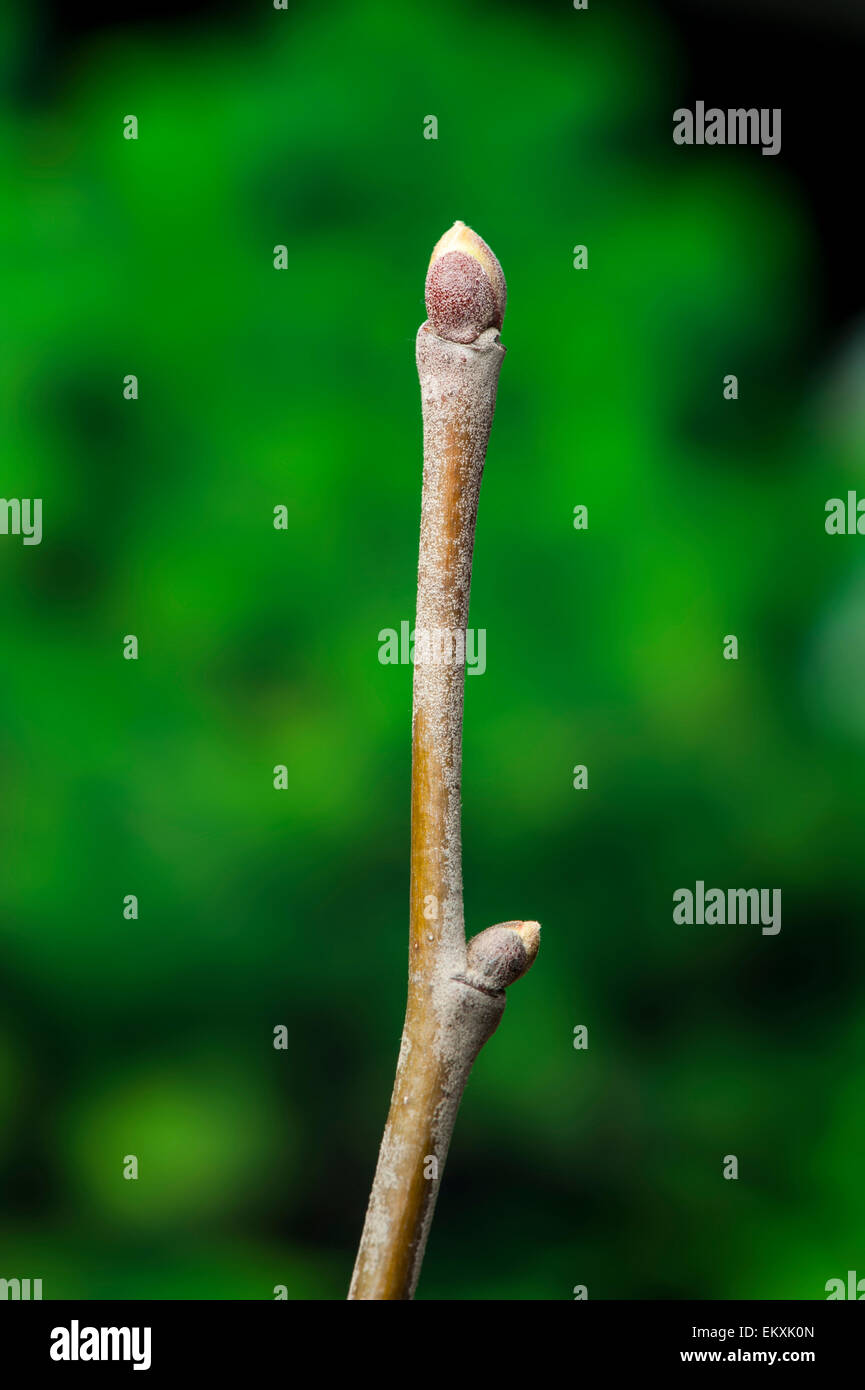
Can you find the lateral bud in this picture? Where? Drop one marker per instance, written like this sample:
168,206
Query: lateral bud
501,954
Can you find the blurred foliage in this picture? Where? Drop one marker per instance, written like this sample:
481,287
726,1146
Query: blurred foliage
259,647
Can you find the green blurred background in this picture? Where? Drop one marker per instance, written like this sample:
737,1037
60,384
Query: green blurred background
259,647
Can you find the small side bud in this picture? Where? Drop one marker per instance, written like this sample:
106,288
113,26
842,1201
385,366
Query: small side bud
501,954
465,286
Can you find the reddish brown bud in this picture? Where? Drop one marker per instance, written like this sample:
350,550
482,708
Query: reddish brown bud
501,954
465,286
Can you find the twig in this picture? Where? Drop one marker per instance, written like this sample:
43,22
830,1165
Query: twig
456,993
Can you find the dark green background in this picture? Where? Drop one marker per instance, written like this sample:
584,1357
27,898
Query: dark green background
259,647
